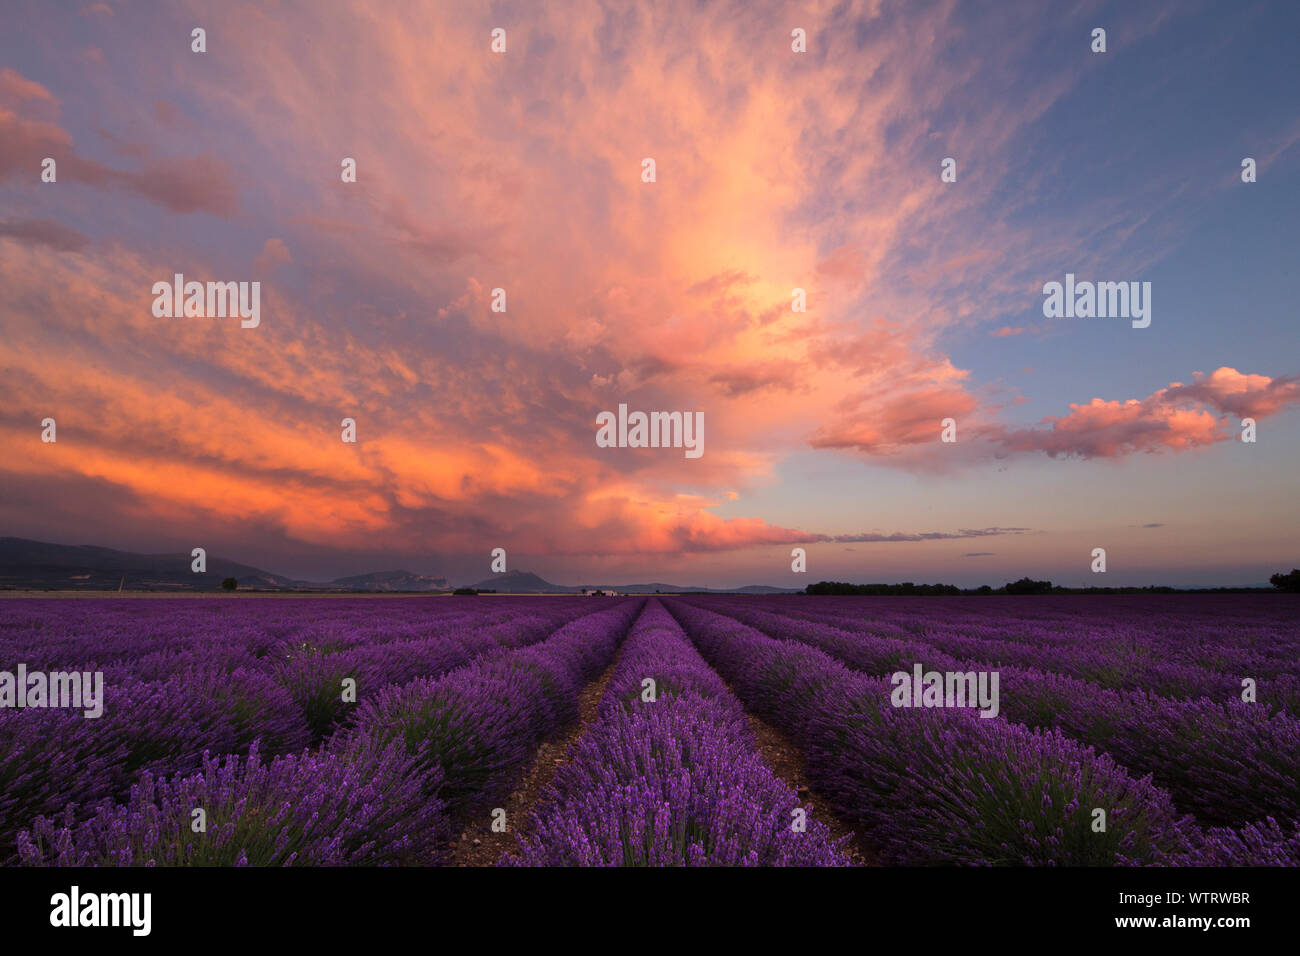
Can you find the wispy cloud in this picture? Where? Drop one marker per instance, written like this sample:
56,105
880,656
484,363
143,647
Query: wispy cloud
932,535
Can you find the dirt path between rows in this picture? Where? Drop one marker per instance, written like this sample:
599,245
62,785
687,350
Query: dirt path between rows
478,845
786,761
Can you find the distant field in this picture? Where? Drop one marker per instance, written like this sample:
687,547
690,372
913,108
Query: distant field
737,730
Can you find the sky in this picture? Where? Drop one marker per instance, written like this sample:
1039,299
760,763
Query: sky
774,170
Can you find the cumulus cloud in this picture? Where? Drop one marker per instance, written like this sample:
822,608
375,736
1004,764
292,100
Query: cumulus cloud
1177,418
522,172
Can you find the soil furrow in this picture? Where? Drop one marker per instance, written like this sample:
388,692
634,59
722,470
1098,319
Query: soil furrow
786,761
478,845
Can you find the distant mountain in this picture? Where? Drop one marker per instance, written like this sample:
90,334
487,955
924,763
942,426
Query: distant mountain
42,566
522,582
37,564
391,581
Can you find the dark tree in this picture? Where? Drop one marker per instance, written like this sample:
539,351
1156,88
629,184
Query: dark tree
1028,586
1287,582
229,584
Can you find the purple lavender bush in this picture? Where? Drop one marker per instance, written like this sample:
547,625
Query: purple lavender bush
948,787
1229,763
676,781
355,807
1266,843
314,680
481,724
671,785
1128,704
938,787
48,759
1223,760
51,758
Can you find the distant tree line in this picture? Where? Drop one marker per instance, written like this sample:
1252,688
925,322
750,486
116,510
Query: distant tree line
918,590
1026,585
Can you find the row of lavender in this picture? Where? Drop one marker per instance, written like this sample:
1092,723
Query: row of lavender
1174,645
212,722
1227,761
1181,645
1143,663
945,786
153,638
669,775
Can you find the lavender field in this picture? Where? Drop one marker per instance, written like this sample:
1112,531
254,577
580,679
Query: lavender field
696,730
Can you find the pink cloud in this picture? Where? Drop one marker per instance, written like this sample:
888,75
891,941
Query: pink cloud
1176,418
167,113
182,185
1235,393
912,418
15,88
844,263
273,255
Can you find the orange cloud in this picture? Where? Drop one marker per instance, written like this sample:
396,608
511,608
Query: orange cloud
521,172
